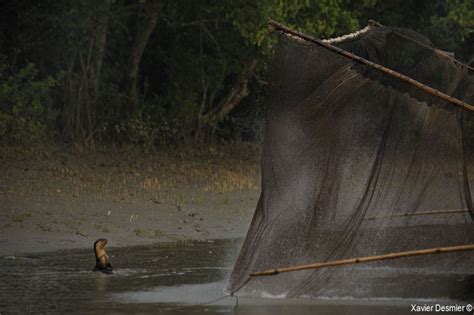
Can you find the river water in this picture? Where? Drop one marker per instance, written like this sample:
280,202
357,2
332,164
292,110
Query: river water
169,278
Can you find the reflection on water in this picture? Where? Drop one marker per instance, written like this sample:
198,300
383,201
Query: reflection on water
64,280
150,279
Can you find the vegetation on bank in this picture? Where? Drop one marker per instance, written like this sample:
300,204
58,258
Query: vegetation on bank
159,72
125,172
54,196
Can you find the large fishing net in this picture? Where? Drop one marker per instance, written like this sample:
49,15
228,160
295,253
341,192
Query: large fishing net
358,163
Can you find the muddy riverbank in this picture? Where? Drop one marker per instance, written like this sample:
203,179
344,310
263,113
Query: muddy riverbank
56,197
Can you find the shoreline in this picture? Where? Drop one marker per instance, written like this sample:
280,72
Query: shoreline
54,198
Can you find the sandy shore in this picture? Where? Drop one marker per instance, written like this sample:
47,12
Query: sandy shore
56,197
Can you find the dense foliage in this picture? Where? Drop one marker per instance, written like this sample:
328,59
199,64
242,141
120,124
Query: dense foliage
26,112
162,71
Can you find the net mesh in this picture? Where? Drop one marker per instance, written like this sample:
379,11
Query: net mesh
358,163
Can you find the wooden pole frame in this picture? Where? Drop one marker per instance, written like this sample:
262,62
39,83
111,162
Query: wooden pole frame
358,260
445,97
422,213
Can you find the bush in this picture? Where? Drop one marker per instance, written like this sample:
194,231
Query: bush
26,113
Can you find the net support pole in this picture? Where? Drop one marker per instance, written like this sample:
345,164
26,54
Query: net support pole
445,97
353,261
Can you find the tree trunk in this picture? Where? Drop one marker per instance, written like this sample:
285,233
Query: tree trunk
83,80
239,91
101,39
151,8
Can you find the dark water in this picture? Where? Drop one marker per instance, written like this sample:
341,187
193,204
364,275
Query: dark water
166,278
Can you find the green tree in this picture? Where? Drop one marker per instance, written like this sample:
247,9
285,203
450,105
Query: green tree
171,71
219,47
26,112
448,24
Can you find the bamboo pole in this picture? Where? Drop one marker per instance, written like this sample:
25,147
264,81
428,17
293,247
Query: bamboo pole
279,27
352,261
437,51
432,212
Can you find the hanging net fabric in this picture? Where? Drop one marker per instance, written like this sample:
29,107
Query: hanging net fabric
356,163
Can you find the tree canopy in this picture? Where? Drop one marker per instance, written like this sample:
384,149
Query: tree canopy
160,72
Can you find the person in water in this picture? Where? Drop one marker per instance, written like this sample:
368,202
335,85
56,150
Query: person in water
102,262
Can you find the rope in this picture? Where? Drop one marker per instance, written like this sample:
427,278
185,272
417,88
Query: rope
240,286
335,263
223,297
455,101
351,261
350,36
